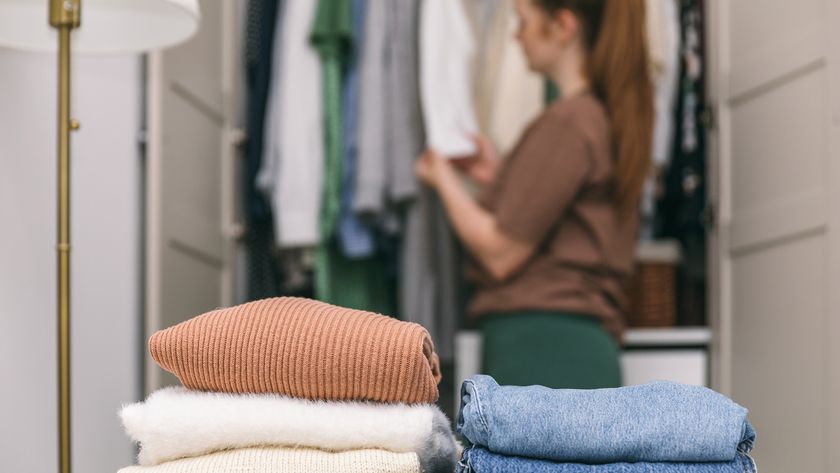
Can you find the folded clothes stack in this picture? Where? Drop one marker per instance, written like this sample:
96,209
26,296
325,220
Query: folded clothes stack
293,385
660,427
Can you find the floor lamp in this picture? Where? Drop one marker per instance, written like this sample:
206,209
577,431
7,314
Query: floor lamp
107,26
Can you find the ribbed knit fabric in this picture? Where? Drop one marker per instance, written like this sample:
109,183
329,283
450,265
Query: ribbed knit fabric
301,348
288,460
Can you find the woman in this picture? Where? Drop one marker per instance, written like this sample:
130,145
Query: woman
553,234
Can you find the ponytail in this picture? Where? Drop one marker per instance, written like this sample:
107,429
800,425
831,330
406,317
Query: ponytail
619,75
617,69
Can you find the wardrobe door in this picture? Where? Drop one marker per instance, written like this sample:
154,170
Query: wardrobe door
190,176
774,82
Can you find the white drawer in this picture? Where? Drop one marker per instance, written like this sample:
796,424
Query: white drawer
687,366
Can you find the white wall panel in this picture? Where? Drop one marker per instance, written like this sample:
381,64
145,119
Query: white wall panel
105,286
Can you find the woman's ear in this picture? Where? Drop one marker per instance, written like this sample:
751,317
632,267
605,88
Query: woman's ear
565,26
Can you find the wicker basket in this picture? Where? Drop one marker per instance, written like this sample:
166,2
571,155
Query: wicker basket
652,290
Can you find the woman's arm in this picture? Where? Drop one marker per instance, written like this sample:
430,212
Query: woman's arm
483,167
500,254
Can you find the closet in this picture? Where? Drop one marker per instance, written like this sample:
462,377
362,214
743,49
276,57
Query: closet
192,117
773,188
775,259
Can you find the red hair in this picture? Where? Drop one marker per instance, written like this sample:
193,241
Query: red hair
617,70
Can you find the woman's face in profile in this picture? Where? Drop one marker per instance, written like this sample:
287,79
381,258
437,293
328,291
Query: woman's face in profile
543,39
532,32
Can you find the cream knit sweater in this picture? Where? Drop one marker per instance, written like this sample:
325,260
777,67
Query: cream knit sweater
288,460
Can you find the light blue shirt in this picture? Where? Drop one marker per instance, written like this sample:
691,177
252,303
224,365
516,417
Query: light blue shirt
356,237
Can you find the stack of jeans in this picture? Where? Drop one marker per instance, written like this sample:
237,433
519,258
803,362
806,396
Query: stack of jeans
657,427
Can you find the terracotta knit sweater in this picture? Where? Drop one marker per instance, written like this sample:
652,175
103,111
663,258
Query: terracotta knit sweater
301,348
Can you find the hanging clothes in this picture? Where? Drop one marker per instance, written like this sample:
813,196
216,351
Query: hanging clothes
357,284
430,274
370,171
332,36
263,269
291,172
482,14
362,284
447,50
681,211
663,26
390,123
355,236
431,284
508,96
407,137
663,39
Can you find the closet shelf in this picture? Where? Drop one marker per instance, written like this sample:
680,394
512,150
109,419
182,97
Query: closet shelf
668,337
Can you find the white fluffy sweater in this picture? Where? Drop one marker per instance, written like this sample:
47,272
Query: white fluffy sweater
179,423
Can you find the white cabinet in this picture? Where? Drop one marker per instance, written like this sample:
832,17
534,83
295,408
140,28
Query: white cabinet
775,84
670,354
687,366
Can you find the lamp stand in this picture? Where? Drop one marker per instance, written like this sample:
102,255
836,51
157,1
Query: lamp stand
65,16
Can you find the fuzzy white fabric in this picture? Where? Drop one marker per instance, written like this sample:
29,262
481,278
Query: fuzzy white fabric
179,423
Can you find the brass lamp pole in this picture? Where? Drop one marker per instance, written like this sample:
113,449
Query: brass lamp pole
65,16
112,26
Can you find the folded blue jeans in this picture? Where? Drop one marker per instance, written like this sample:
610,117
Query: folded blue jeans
479,460
656,422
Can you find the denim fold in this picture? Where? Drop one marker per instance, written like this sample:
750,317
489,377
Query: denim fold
655,422
480,460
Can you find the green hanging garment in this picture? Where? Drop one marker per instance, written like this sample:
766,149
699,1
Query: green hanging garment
358,284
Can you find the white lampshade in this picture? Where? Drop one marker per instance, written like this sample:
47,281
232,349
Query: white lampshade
107,26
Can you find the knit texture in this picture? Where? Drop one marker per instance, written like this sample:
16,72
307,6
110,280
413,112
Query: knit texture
301,348
178,423
288,460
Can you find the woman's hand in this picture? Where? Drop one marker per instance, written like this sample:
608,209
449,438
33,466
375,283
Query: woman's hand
432,169
484,166
474,225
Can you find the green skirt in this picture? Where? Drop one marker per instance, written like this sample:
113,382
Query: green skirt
553,349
